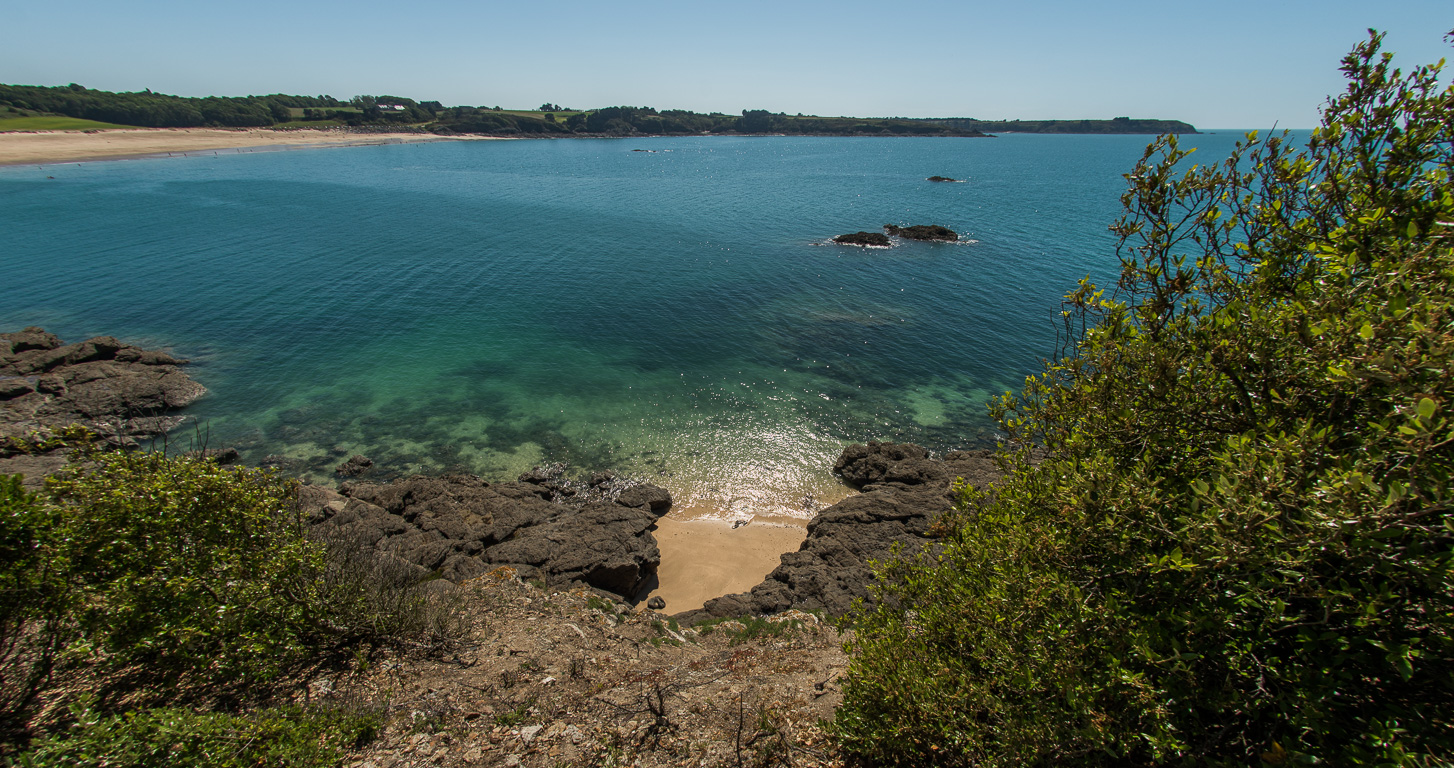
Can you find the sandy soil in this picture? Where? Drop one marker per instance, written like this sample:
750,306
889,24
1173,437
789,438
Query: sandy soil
553,680
41,147
702,559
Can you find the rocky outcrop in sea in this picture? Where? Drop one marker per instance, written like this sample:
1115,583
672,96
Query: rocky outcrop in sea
931,232
904,493
872,239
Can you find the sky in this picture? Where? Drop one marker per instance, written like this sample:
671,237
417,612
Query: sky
1229,64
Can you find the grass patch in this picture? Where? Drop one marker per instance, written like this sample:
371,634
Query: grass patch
744,628
56,123
292,736
538,115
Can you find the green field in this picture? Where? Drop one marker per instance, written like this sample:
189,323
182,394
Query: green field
538,115
297,112
8,124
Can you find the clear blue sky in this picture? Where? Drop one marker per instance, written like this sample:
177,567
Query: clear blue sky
1237,64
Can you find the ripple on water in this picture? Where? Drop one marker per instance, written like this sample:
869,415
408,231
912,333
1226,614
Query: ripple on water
489,306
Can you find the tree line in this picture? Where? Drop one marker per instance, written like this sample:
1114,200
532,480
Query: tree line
1116,125
627,121
156,110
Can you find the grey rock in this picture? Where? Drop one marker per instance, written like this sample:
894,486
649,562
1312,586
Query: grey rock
922,232
459,527
876,239
116,390
656,603
655,498
355,466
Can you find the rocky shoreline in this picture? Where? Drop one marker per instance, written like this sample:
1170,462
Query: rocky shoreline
117,391
904,492
556,532
459,527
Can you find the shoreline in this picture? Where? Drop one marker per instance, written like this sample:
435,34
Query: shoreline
61,147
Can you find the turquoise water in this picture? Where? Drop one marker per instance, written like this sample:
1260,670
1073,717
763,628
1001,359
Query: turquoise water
486,306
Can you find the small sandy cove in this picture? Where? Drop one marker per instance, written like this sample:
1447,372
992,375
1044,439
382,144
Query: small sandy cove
42,147
703,558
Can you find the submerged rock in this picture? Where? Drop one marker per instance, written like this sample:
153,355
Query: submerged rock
877,239
904,493
923,232
355,466
116,390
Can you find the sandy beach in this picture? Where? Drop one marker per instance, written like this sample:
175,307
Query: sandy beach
43,147
702,559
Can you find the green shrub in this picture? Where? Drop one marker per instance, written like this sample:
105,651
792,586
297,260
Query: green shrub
185,566
1238,547
147,738
741,629
33,600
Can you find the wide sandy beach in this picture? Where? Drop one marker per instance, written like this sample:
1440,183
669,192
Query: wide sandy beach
42,147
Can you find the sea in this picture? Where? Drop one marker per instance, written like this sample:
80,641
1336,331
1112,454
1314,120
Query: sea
671,309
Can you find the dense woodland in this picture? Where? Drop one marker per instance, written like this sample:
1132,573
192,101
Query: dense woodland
155,110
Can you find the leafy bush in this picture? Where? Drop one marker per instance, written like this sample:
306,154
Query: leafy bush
289,736
186,566
33,600
1238,548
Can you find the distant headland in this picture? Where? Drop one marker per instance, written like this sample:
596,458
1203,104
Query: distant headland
75,107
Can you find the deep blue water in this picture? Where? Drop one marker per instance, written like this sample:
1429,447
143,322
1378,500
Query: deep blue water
490,305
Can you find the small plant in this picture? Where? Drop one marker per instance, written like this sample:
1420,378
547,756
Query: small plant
514,716
430,721
34,602
744,628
